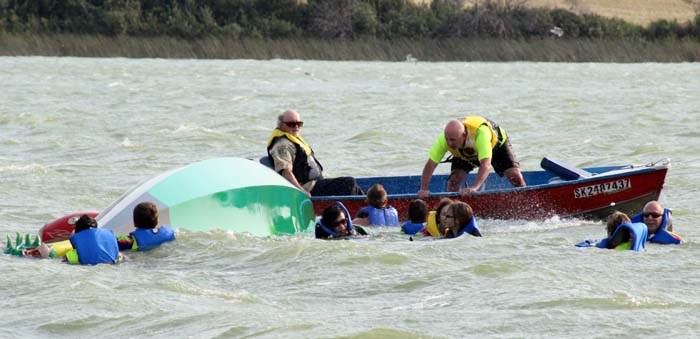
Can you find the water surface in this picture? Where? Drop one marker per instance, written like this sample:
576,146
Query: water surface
78,132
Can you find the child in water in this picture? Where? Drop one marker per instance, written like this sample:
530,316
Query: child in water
459,220
435,221
378,213
622,234
148,235
93,245
417,215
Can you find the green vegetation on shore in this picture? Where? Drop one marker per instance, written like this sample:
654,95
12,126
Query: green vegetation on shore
444,30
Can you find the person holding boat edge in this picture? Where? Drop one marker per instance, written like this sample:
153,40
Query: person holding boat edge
473,142
294,159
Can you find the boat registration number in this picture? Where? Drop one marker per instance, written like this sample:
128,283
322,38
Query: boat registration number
606,187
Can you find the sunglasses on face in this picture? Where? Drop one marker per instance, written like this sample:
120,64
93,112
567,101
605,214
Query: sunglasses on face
651,214
292,124
340,222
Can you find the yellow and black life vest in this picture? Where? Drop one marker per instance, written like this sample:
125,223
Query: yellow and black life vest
471,125
305,168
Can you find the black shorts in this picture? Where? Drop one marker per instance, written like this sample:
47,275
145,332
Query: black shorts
503,159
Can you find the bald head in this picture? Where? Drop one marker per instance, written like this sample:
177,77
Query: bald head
653,206
289,115
455,134
652,215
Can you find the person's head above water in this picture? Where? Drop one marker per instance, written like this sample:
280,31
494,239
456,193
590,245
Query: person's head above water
652,215
85,222
376,196
334,223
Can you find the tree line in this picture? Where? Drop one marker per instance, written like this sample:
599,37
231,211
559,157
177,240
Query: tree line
324,19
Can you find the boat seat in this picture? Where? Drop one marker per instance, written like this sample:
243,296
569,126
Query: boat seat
564,171
267,162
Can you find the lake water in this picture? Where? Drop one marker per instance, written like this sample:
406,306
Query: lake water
75,133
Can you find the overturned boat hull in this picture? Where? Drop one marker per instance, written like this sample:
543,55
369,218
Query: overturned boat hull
230,194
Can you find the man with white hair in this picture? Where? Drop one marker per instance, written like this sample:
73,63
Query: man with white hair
294,159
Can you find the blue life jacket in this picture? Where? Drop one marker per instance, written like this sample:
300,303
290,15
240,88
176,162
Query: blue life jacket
638,235
96,246
661,236
387,216
330,232
412,228
664,237
471,228
150,238
639,217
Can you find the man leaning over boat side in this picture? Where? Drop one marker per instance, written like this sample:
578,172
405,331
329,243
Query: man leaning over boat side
473,142
294,159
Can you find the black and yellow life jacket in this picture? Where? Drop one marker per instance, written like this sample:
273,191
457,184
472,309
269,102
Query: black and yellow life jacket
471,125
305,168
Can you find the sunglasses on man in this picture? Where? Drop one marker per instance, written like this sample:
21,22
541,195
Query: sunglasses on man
292,124
651,214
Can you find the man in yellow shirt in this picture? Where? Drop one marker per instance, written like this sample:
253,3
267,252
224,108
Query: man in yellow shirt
473,142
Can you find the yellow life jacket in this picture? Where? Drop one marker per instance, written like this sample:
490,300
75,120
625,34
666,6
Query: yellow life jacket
431,224
306,167
61,248
471,124
72,257
276,133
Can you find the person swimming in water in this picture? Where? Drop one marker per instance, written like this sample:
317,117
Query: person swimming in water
335,223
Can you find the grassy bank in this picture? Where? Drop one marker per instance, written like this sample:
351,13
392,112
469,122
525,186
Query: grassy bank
552,50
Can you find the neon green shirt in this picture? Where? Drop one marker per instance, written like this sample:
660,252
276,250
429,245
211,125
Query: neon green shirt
482,145
624,246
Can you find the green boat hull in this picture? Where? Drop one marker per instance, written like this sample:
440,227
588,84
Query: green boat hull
229,194
260,210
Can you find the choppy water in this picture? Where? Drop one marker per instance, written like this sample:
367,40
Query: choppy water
76,133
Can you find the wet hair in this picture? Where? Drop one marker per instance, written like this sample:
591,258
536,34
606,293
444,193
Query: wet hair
417,211
614,220
146,215
462,213
328,217
444,202
85,222
376,196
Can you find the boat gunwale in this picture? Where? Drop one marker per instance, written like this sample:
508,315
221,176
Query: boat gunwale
629,170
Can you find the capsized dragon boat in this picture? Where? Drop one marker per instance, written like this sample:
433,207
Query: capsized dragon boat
230,194
557,190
